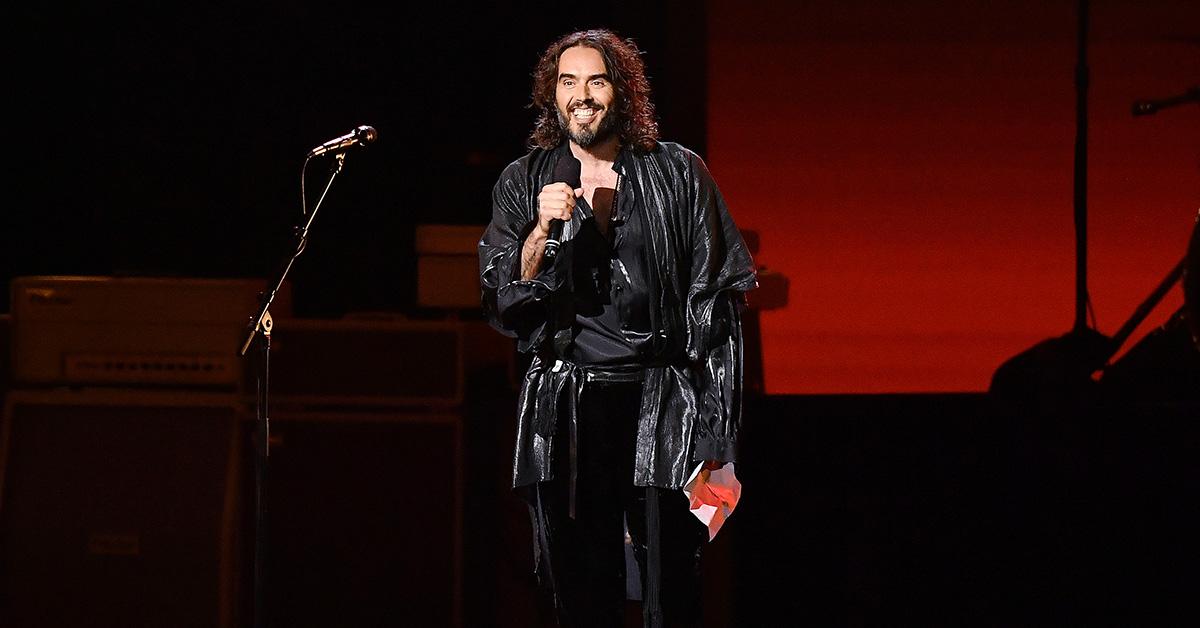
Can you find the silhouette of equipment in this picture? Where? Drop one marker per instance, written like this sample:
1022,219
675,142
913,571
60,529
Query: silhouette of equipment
1065,368
1165,364
1191,284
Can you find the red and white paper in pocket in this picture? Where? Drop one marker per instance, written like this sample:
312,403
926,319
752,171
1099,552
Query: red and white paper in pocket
712,495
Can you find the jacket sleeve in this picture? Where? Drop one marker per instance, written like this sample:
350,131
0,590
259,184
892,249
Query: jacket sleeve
721,272
517,308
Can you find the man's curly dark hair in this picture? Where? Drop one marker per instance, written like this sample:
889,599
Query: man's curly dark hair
623,61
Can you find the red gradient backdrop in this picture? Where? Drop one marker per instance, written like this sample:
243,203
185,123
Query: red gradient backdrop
909,168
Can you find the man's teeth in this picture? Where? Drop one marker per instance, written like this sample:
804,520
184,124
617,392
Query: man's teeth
584,113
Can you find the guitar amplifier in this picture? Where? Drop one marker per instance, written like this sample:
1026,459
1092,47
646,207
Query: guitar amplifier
356,362
448,266
133,331
119,508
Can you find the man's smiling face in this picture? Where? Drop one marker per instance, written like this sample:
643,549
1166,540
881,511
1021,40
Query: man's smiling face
584,95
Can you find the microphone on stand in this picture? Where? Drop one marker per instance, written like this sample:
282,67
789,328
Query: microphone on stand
360,136
1147,107
567,170
1141,108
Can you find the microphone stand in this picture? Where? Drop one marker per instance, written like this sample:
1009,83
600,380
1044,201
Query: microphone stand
260,330
1064,365
1082,299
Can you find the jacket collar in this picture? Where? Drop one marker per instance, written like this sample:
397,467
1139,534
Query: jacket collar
621,164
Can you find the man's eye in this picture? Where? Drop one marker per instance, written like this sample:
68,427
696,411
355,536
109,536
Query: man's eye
598,83
568,83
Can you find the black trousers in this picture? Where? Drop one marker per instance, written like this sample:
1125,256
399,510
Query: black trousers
582,558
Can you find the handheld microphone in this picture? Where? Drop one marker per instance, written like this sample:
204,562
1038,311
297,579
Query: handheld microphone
360,136
567,170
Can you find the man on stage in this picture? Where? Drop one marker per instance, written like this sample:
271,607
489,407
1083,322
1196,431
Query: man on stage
632,317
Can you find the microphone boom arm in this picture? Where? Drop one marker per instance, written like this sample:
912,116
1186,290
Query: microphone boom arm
1147,107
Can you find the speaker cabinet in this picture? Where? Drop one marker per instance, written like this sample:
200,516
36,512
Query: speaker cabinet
366,362
118,509
363,522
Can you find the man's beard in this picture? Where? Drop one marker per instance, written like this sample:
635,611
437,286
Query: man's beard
588,136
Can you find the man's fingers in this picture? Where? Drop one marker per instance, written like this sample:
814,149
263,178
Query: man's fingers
556,201
557,210
564,196
562,187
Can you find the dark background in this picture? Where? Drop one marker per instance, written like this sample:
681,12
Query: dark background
169,142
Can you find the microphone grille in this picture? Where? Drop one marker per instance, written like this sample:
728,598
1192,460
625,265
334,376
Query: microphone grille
366,134
568,170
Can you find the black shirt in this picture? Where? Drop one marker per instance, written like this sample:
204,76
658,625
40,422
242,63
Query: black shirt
612,322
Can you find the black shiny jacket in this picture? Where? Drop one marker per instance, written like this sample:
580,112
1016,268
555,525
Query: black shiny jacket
699,269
